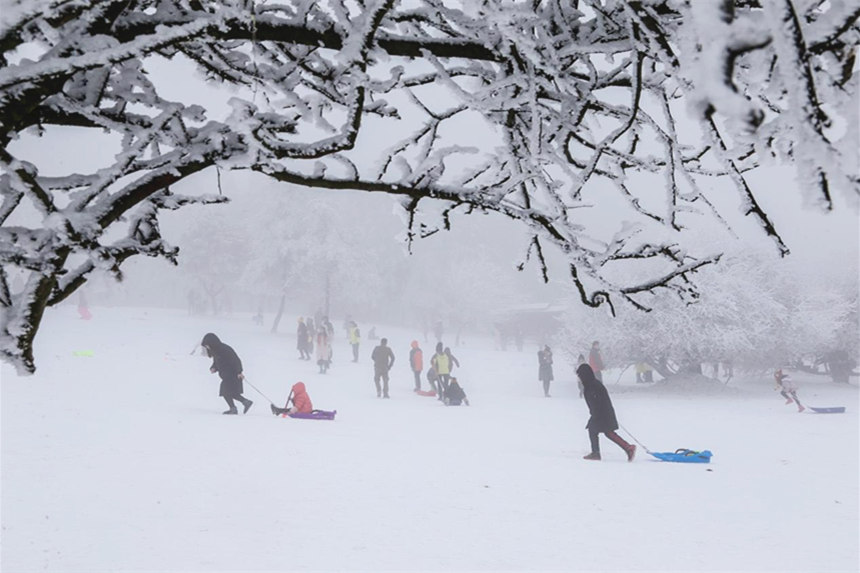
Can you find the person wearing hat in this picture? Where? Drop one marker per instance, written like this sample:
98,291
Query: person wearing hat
545,368
602,419
416,363
226,363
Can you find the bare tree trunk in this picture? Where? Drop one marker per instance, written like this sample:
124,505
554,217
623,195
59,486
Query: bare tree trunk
328,295
279,314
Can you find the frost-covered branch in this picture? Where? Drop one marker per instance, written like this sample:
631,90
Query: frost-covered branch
546,115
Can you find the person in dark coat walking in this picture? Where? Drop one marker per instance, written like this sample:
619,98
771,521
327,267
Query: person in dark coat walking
602,418
226,363
383,360
545,368
302,340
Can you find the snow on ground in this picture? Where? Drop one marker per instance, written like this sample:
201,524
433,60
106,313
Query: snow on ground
122,461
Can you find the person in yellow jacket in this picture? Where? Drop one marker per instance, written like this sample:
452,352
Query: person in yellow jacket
441,363
354,336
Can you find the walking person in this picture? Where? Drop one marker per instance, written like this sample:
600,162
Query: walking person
602,419
442,366
595,360
383,360
416,363
354,336
545,368
323,350
227,364
580,360
302,336
312,332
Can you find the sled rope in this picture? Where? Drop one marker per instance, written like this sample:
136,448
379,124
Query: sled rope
248,382
635,440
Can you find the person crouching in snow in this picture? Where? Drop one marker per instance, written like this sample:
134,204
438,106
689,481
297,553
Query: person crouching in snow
787,389
602,418
454,394
226,363
300,399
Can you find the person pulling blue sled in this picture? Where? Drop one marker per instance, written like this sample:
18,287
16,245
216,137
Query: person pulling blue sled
788,390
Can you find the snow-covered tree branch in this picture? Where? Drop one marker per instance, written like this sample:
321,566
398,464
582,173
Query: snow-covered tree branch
546,111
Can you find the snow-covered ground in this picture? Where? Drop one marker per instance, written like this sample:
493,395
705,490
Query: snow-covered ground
122,461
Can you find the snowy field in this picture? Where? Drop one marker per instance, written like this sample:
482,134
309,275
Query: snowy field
122,461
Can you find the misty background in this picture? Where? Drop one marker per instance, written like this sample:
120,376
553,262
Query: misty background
279,251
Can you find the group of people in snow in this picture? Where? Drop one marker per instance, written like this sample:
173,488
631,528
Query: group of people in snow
602,418
315,333
545,374
442,363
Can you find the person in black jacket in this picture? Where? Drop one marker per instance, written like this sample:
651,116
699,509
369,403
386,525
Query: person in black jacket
302,340
545,368
383,360
602,418
226,363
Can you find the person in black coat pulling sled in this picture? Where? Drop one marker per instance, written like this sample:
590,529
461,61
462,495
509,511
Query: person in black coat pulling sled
602,418
226,363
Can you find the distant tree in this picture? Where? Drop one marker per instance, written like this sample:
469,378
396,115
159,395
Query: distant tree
564,104
757,315
216,255
313,252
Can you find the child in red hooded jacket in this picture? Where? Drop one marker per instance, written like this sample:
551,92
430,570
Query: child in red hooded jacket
300,399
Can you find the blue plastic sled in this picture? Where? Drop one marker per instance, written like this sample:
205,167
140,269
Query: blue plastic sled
833,410
684,455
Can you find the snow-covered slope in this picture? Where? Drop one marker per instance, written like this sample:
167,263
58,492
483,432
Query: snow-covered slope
122,461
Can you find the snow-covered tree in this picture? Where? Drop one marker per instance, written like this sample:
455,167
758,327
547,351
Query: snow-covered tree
553,113
312,253
215,252
756,314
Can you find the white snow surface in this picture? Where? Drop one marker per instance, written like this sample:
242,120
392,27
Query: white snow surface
122,461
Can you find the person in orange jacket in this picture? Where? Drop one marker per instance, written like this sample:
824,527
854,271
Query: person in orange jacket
416,362
595,360
300,399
